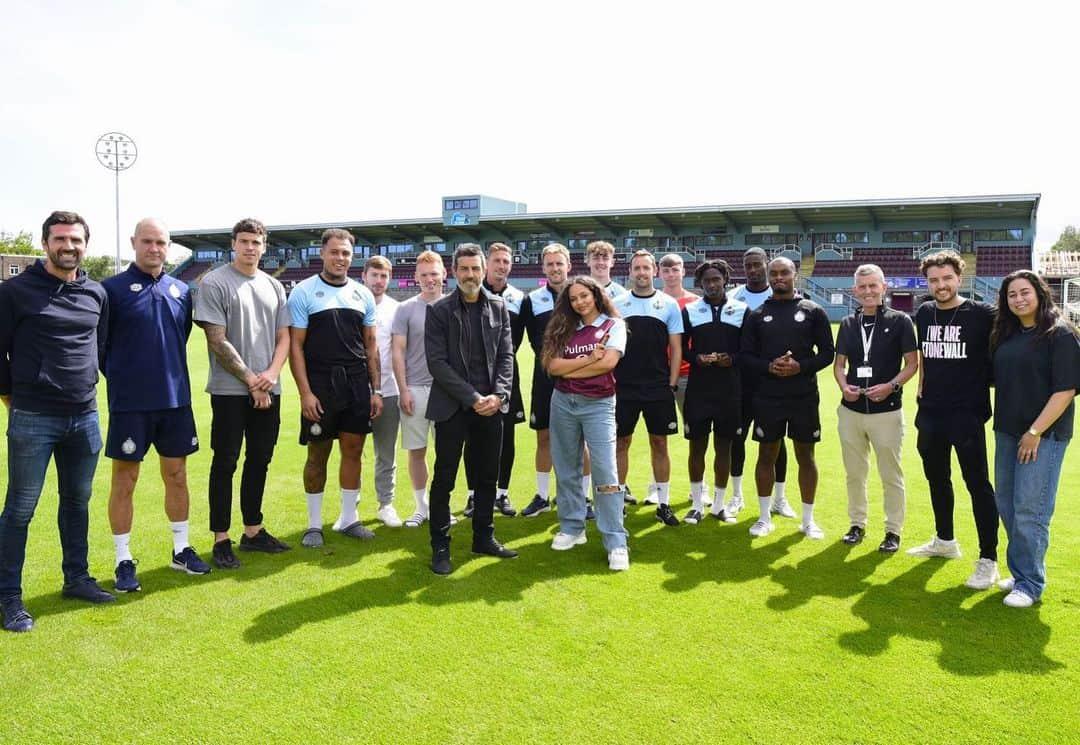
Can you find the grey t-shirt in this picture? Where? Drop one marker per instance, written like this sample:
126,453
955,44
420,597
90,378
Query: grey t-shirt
409,321
251,309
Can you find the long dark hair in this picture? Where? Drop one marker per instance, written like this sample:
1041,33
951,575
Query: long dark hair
1007,325
564,320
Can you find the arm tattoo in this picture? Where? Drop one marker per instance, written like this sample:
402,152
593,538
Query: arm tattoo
225,352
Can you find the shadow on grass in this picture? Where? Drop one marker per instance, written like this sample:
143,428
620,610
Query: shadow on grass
825,574
981,640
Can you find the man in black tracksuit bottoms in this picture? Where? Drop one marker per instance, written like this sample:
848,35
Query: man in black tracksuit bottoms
786,342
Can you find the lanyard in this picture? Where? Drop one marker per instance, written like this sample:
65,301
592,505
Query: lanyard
867,339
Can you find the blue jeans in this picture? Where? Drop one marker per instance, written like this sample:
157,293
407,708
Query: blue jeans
33,439
576,421
1026,495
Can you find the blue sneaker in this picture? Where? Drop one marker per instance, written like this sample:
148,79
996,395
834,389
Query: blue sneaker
126,581
189,561
536,506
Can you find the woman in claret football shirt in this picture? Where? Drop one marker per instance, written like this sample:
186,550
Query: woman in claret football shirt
583,342
1036,373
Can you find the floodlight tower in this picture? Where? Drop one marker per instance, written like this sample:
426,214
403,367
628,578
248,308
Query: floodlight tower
117,152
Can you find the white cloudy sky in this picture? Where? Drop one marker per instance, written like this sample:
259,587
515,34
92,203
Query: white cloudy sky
355,110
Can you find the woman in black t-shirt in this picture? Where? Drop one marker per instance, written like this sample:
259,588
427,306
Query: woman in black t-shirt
1036,356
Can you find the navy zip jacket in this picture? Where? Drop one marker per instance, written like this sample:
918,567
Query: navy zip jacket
799,326
52,340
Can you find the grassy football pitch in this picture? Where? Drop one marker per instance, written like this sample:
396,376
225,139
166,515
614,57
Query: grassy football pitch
710,637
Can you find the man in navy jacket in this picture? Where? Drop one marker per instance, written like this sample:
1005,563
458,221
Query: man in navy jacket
53,322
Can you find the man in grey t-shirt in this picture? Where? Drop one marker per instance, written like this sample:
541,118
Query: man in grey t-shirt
409,359
243,312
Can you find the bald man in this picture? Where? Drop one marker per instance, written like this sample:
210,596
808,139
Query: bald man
149,395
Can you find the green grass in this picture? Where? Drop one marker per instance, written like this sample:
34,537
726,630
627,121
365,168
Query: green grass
708,637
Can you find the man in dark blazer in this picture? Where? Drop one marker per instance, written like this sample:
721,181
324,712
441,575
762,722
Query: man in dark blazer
471,358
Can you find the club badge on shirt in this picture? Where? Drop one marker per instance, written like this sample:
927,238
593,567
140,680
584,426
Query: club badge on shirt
174,291
800,316
135,287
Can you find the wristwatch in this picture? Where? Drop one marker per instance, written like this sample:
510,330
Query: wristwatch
377,392
895,387
1034,432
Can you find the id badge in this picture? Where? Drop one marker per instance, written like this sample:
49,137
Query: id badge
865,371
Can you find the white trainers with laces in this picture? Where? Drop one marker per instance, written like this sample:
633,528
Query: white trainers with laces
781,507
734,506
566,541
1018,599
762,528
618,559
1007,584
389,516
812,531
984,576
937,547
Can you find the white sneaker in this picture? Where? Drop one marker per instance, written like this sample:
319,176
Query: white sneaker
566,541
812,531
651,496
416,520
389,516
722,514
781,507
984,576
937,547
762,528
1007,584
618,559
734,505
1018,599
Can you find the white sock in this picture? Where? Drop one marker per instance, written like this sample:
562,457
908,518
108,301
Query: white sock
778,490
543,484
420,495
314,510
697,494
763,505
807,513
586,487
500,493
123,548
348,507
179,536
736,487
718,499
663,492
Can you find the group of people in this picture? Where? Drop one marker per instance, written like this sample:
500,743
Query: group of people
443,366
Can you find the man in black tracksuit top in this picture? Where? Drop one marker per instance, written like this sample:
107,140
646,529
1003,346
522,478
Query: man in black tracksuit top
786,342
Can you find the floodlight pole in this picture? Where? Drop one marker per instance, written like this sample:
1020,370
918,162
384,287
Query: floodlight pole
117,152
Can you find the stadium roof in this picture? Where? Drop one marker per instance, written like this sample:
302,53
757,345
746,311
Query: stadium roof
737,218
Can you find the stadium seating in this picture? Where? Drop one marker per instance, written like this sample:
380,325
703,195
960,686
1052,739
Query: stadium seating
895,262
997,261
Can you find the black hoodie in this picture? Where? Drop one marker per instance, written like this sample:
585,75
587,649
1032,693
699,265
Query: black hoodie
52,335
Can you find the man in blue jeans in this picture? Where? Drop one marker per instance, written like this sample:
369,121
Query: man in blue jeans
53,321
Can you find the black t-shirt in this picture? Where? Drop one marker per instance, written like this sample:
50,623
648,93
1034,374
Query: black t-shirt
1027,371
955,346
891,335
478,371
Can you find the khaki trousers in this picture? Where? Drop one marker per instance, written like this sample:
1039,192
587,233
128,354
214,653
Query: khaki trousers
883,432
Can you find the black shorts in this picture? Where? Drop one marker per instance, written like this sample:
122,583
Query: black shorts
797,417
659,416
540,404
721,416
346,402
170,431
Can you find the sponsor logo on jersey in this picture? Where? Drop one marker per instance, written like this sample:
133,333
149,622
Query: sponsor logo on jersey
135,287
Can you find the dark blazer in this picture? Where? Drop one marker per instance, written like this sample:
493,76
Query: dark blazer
444,345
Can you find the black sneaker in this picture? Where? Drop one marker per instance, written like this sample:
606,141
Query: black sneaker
263,541
628,498
15,616
87,590
854,536
223,555
590,513
189,561
492,547
666,516
469,507
502,504
890,545
125,577
440,561
536,506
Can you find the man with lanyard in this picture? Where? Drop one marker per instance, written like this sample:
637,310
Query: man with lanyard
712,334
500,261
334,358
870,346
786,342
600,256
470,352
149,395
755,292
646,378
535,313
384,428
954,404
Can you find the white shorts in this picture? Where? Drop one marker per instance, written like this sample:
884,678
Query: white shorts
416,429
